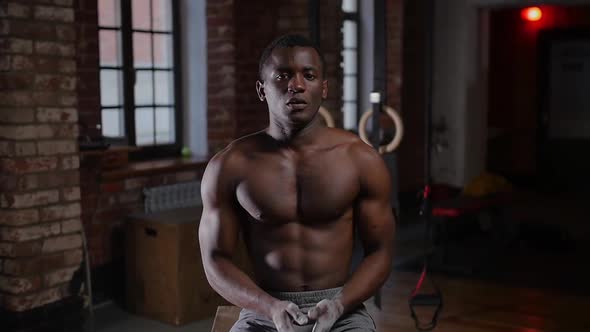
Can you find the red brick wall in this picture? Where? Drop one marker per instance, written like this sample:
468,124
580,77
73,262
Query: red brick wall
40,242
331,45
221,74
88,88
256,26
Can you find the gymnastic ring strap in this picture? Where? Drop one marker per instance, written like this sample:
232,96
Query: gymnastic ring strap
399,129
418,299
327,117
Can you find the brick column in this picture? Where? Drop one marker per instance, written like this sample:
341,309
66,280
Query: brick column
256,22
88,87
394,26
331,18
40,240
221,72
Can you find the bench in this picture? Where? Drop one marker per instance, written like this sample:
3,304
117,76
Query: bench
225,318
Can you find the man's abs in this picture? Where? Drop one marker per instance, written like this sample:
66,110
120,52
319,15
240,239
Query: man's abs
297,257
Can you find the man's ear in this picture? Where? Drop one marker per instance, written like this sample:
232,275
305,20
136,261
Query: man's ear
325,89
260,90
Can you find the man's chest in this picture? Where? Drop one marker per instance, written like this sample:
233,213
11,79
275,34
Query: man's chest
317,189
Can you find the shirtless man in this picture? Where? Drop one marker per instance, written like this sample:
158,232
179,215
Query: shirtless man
298,191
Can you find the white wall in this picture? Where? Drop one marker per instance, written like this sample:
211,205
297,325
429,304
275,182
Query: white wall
194,74
367,38
454,78
460,86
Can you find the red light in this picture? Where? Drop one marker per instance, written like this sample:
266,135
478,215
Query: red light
532,14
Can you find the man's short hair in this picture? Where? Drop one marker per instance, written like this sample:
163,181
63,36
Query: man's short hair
290,40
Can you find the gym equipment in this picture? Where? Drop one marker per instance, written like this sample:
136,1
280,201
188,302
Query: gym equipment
399,129
432,299
426,299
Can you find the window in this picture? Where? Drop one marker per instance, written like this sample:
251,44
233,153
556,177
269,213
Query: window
350,57
139,80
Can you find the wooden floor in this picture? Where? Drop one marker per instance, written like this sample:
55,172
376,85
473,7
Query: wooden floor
483,306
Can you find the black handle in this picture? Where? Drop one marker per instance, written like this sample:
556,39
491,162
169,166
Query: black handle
426,300
433,300
151,232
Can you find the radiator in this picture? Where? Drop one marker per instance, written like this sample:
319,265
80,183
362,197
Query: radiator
173,196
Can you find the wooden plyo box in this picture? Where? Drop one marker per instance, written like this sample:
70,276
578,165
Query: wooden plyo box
165,278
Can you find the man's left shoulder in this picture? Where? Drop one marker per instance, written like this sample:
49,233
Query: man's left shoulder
356,149
341,137
362,152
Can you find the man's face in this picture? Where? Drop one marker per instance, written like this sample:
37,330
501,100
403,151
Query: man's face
293,85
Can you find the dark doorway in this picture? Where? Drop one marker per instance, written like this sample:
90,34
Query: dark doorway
538,114
564,121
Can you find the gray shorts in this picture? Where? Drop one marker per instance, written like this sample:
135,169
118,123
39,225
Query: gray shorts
356,320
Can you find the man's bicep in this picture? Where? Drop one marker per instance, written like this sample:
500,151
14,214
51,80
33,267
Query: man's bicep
219,226
376,220
218,232
375,223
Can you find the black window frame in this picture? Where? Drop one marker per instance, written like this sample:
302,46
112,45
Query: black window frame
128,79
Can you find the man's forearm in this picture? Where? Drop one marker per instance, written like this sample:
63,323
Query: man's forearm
370,275
237,287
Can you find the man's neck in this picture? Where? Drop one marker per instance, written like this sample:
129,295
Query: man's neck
293,135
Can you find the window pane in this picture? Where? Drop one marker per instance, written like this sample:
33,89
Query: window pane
349,88
141,14
162,15
349,61
144,126
109,47
349,6
164,88
108,13
163,51
142,50
350,117
164,125
112,122
144,93
349,30
110,87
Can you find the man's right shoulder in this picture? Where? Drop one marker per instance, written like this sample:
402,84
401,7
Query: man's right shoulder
222,170
235,155
226,158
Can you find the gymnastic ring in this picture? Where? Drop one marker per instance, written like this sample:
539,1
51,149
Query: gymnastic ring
327,117
399,129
